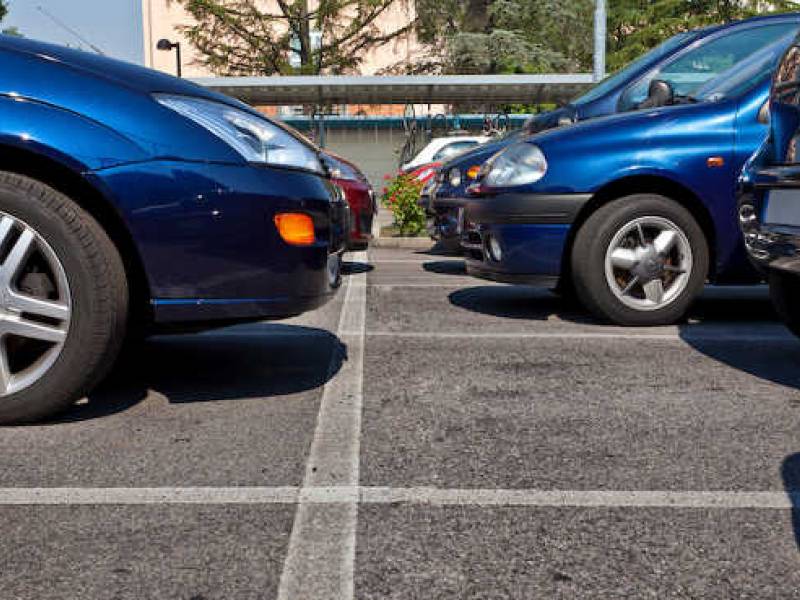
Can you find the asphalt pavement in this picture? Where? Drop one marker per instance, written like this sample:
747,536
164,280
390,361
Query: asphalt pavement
424,435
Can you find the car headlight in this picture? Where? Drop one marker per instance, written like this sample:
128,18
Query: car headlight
454,177
341,170
257,139
520,164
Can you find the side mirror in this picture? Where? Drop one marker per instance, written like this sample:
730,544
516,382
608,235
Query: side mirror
763,114
660,93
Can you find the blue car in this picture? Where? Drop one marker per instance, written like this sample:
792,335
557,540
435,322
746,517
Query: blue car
635,211
769,194
134,201
685,61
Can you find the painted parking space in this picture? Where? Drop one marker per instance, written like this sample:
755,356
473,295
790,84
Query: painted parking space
469,553
424,435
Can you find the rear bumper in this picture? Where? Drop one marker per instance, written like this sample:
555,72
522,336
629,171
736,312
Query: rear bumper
774,244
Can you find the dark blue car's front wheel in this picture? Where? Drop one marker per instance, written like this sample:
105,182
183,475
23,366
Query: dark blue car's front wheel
639,261
63,300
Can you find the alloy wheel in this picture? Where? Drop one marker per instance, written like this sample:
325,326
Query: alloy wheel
648,263
35,305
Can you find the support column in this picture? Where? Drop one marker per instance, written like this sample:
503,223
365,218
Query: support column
600,18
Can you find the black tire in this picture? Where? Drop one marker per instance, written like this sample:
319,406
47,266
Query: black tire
784,289
592,242
99,291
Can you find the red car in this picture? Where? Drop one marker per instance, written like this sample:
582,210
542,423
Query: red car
425,172
359,195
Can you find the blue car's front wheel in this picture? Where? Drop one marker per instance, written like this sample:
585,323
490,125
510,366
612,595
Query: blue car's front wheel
63,300
640,260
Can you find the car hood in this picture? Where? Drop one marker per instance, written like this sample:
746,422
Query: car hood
480,153
550,119
640,121
115,95
127,75
536,124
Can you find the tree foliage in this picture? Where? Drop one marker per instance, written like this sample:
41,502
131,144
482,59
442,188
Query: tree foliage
636,26
8,30
241,37
505,36
499,36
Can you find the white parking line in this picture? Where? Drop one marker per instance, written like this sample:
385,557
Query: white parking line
443,285
320,561
340,497
718,332
687,335
411,261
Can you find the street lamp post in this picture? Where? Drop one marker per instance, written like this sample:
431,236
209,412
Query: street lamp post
167,46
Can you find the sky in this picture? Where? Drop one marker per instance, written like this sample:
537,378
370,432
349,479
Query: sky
114,26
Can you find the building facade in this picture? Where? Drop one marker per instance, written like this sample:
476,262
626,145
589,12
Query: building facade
162,19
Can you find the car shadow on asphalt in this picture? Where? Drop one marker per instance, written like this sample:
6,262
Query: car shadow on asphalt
748,311
790,472
446,267
441,249
716,305
519,302
253,361
355,268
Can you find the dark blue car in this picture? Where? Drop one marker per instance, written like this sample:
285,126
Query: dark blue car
635,211
769,200
133,200
685,61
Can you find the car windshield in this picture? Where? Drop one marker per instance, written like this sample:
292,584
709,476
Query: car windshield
744,75
609,83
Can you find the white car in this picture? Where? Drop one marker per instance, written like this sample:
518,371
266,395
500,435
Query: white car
440,149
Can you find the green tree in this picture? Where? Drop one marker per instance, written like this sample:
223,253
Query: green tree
636,26
238,37
8,30
505,36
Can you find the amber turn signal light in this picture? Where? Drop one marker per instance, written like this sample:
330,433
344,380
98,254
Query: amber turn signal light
715,162
296,229
472,172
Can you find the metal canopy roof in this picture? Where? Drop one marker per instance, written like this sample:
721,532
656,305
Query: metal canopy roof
443,89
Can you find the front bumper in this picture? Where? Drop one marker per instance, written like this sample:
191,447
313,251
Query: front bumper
206,240
530,230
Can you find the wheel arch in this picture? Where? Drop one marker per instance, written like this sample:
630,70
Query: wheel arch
645,184
64,177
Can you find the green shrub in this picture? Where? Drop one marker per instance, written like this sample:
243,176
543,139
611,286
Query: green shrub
401,196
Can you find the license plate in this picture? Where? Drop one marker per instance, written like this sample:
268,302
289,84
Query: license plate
782,207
